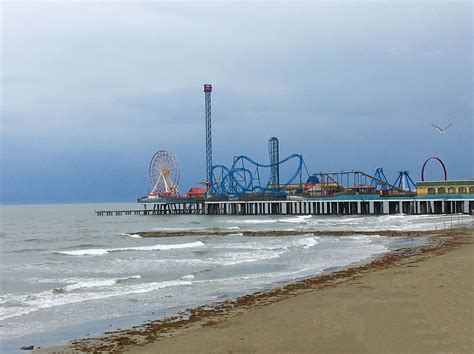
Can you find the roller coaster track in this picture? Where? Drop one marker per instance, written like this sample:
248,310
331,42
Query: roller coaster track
244,176
357,176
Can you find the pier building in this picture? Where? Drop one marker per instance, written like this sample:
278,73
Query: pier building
463,186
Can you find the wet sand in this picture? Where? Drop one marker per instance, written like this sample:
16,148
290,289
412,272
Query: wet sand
412,301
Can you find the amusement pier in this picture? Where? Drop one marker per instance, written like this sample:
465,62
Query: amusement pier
284,186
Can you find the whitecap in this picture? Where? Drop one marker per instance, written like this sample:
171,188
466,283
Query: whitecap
102,251
307,242
93,283
87,252
253,221
133,235
15,305
301,219
189,276
160,247
234,258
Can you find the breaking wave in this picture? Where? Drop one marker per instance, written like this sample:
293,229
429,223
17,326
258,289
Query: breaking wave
234,258
132,235
187,277
94,283
102,251
14,305
301,219
307,242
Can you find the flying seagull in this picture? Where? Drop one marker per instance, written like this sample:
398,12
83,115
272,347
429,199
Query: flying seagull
442,131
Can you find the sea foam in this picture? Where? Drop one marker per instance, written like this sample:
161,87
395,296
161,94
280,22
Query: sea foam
102,251
306,242
13,305
301,219
94,283
132,235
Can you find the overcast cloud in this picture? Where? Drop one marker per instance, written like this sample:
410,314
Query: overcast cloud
91,90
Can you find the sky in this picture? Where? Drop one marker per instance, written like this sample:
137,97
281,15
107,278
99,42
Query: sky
91,90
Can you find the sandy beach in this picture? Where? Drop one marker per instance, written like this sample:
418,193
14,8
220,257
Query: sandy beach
410,301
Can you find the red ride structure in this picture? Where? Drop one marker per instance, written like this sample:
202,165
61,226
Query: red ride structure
442,165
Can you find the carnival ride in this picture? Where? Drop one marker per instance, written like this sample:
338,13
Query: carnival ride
359,182
247,176
274,152
445,172
348,180
405,182
379,175
164,175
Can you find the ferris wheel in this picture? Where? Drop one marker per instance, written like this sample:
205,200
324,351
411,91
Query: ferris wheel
164,174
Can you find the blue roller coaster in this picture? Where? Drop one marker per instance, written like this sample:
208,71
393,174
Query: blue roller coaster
247,176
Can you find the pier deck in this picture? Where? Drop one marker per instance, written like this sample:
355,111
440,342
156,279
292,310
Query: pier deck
342,205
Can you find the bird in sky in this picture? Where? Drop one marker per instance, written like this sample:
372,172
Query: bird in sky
442,131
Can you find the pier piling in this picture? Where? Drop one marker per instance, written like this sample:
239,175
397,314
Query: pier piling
307,206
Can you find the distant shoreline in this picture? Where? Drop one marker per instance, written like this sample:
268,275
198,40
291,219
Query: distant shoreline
207,317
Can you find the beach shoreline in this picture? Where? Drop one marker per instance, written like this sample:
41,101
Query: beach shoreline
156,335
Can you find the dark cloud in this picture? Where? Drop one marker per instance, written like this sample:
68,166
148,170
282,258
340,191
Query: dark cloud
91,90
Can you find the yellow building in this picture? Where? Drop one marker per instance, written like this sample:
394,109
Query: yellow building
462,186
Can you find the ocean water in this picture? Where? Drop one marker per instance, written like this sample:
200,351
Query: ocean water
67,273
